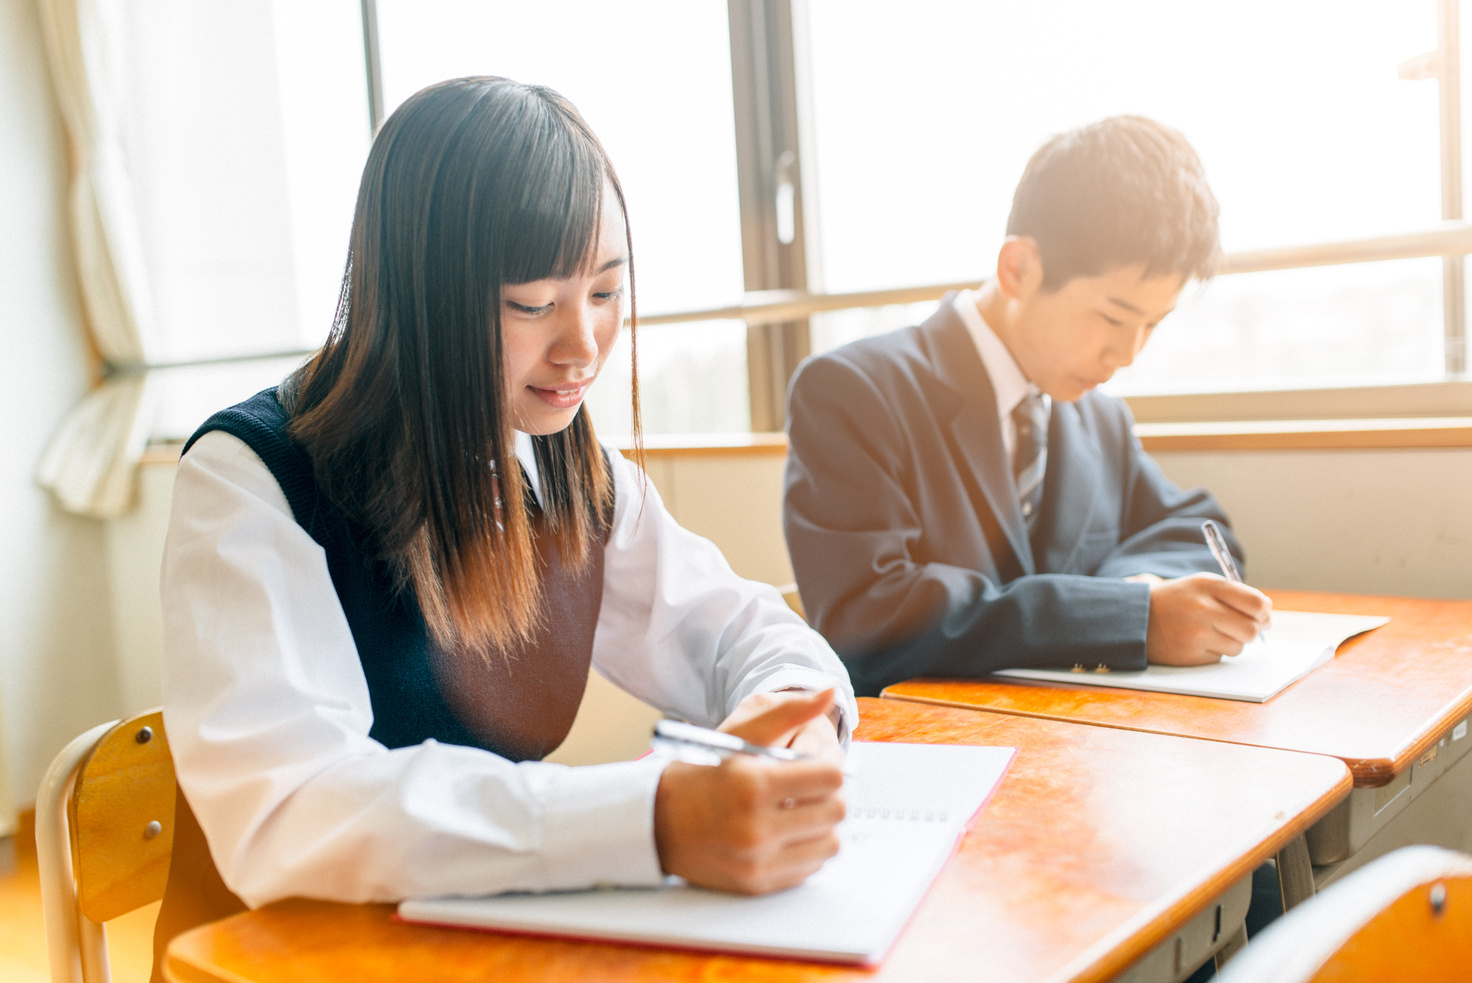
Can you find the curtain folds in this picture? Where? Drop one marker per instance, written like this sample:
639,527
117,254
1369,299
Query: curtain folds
91,461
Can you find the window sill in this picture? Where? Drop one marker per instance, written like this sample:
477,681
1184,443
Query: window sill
1299,435
162,452
1414,400
1233,435
667,445
656,446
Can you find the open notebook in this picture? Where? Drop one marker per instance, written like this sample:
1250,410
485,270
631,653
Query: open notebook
1298,643
908,807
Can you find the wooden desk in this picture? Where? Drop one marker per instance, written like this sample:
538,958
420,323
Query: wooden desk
1389,700
1098,845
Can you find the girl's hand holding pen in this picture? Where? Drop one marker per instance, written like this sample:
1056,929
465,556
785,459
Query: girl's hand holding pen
754,824
815,737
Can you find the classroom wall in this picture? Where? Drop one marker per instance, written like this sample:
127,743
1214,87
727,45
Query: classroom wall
134,553
1362,521
734,500
57,673
1393,521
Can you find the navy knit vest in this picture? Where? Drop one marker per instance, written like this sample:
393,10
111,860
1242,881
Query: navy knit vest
519,704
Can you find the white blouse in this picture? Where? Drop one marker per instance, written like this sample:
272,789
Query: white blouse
268,714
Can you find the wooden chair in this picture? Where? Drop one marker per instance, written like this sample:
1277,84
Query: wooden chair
1406,916
104,835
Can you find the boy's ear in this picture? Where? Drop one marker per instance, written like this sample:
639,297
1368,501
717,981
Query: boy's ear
1019,268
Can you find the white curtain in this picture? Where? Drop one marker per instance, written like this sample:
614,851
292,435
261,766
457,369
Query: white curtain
215,155
91,460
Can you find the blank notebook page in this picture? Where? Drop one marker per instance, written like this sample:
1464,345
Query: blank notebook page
1297,643
908,807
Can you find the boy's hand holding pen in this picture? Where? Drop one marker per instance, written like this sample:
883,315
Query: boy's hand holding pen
1217,543
1197,620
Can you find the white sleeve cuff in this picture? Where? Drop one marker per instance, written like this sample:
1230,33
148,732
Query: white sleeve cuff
599,825
799,677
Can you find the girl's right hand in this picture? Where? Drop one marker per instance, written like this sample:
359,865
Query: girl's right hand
752,825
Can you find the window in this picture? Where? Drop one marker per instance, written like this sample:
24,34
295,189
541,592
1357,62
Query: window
243,144
911,124
1306,131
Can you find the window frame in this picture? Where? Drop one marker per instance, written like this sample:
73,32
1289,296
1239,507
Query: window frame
773,116
1452,242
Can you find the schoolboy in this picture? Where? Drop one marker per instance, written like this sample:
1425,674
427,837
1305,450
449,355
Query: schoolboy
959,498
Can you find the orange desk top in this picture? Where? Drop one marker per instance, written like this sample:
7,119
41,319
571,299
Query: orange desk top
1098,845
1384,699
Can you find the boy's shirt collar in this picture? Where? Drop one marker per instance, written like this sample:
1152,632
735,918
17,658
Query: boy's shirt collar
1008,381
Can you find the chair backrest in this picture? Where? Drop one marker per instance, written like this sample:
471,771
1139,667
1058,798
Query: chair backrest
104,835
1406,916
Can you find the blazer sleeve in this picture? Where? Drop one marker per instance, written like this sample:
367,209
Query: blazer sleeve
857,538
1161,528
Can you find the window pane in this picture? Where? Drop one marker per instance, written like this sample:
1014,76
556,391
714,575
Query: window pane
1325,326
841,327
692,379
1332,325
183,398
1306,131
1296,109
245,126
654,82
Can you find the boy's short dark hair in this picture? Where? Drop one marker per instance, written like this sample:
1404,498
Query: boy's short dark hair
1122,191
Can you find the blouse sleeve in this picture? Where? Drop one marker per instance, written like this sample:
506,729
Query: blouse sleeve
268,715
682,632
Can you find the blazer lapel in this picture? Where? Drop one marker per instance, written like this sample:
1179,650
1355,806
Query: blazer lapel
1069,488
975,425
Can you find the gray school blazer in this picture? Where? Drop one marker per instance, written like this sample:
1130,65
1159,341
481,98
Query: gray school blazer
908,540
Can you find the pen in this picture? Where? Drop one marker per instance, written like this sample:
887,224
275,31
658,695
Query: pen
702,746
1217,543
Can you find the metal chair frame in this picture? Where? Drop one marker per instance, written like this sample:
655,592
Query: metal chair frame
76,945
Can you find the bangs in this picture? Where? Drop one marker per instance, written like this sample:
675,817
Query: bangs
552,212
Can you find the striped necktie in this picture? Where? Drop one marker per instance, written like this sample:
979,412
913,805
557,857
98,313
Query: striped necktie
1030,456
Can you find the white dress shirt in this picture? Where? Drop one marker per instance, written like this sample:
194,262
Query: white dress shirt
1008,380
268,714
